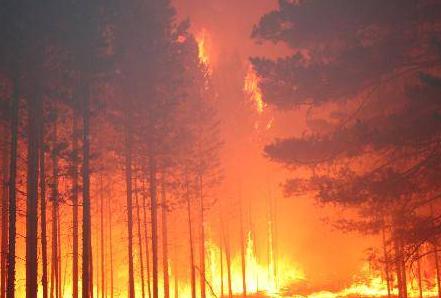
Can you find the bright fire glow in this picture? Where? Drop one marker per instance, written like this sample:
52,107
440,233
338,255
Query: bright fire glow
251,88
202,39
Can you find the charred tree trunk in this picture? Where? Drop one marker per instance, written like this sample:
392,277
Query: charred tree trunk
138,221
386,261
32,199
54,251
435,255
154,219
190,239
164,238
44,276
60,293
75,192
202,238
87,285
4,220
221,262
103,284
228,259
242,253
398,270
437,267
129,140
147,253
175,266
109,209
10,291
419,275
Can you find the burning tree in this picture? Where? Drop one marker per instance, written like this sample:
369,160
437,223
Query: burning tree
368,73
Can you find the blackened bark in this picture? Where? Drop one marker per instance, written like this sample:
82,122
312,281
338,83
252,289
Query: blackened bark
32,198
154,218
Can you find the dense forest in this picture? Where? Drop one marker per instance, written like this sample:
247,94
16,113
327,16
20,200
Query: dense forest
112,139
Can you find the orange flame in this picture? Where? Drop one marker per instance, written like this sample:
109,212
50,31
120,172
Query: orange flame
202,39
251,88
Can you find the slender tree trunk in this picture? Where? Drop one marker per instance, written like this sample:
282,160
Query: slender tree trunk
44,276
141,259
129,140
386,262
190,239
91,288
175,265
399,270
12,193
242,253
419,277
154,218
109,208
202,238
147,253
87,285
55,258
103,284
403,271
221,261
75,192
60,293
5,210
228,259
437,267
435,255
164,238
32,198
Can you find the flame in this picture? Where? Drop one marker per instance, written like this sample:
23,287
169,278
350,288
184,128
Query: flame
374,285
258,276
252,89
202,39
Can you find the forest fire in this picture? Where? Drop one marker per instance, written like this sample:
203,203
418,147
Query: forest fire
252,89
220,149
203,40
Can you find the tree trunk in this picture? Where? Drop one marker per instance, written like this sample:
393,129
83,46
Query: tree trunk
109,209
228,259
398,269
221,261
164,239
202,239
32,198
242,253
75,191
435,255
87,285
103,284
12,193
5,209
175,265
403,271
147,253
419,277
44,277
138,221
59,260
55,258
154,218
129,141
386,262
190,239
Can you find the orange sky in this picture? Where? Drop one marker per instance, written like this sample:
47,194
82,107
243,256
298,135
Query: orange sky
325,255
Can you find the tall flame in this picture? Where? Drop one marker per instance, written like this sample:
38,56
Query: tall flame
252,89
202,39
